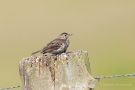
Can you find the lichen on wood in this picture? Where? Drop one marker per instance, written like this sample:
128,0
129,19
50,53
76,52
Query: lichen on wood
67,71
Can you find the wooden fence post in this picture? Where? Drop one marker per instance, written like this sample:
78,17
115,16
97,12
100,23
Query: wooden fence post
67,71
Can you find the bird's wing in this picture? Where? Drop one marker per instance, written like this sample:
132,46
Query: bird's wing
53,45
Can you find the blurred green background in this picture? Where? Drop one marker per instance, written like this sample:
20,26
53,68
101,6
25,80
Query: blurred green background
104,28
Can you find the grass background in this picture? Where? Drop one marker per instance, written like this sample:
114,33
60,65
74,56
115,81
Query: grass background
105,28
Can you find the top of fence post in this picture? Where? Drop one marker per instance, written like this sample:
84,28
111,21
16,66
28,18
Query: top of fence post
67,71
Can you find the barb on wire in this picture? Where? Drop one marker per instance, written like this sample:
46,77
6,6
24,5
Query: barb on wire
114,76
13,87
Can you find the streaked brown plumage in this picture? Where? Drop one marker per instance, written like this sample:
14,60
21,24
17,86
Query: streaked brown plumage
57,46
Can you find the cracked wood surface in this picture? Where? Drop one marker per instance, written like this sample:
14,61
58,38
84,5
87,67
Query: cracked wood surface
67,71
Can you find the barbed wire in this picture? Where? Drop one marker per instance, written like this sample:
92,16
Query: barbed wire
114,76
97,77
12,87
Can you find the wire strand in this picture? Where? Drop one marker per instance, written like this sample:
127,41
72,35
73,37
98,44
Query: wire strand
97,77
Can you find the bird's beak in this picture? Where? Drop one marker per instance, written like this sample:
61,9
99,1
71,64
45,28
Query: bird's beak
70,34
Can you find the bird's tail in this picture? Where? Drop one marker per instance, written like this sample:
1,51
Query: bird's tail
35,52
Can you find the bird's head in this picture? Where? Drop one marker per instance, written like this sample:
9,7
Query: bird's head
64,35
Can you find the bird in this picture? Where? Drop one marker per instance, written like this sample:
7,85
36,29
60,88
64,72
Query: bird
56,46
